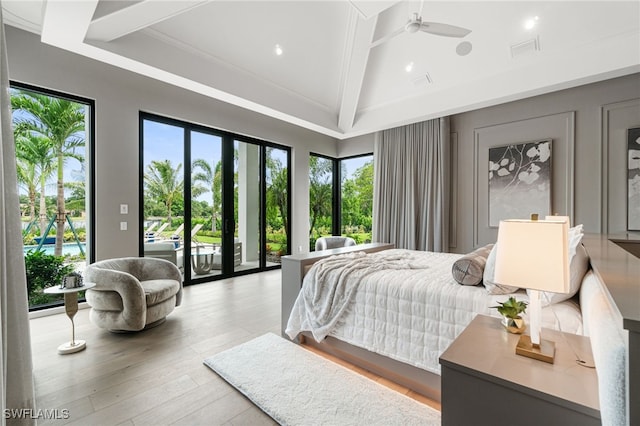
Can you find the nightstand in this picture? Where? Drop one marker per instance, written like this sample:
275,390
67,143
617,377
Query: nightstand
484,382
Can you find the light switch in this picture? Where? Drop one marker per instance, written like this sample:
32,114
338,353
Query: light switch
124,208
123,226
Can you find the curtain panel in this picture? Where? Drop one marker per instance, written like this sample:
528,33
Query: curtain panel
412,186
16,392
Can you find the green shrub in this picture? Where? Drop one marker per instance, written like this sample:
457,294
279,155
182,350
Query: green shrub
43,270
176,222
68,235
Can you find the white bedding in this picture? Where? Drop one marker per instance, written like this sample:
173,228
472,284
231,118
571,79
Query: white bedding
411,313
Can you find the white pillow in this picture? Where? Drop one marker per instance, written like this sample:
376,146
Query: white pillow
489,274
578,266
575,238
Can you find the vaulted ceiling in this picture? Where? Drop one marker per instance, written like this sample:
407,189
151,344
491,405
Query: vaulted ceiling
332,76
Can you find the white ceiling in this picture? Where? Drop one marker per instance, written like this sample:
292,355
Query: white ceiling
329,79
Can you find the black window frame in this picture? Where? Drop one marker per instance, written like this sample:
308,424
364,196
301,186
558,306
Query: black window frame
336,190
90,160
227,205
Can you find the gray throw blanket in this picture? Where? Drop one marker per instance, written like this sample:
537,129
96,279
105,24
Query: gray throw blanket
329,287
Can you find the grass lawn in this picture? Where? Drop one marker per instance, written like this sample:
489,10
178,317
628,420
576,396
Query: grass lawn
218,240
208,240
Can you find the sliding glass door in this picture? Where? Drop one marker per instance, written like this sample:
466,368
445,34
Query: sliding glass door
206,204
228,209
247,203
276,204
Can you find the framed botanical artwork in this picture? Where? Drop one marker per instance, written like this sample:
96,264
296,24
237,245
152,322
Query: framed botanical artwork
633,179
519,181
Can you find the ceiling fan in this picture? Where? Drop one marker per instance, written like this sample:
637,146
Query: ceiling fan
415,24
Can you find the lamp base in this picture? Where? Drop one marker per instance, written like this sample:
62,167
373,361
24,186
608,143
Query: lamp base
545,352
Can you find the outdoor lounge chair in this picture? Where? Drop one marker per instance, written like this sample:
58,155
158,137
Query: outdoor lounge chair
150,236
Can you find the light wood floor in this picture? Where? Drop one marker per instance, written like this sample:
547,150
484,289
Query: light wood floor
157,376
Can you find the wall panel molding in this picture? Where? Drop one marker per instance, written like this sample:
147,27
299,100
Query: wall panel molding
560,128
615,119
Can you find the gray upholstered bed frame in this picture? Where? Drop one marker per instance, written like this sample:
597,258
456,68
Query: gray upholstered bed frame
616,268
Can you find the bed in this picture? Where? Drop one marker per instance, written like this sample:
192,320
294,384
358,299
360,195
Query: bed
403,358
403,304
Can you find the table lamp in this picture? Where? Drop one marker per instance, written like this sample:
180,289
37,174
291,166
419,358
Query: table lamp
534,254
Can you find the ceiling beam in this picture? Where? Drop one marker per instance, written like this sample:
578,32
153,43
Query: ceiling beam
356,66
137,17
75,15
368,8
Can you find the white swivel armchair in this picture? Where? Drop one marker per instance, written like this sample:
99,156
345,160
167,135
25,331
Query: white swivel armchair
132,293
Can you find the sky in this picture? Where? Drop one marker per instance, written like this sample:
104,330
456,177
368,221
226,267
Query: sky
164,141
353,164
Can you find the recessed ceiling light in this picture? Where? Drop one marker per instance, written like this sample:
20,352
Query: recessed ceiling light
409,67
530,23
278,50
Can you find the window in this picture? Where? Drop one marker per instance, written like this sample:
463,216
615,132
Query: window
356,206
53,139
321,198
340,197
225,212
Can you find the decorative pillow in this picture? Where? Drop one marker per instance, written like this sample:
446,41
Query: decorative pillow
489,274
468,270
578,266
575,238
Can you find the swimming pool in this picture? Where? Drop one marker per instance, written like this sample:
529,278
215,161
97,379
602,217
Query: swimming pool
67,248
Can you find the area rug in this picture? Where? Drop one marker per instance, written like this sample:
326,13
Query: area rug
297,387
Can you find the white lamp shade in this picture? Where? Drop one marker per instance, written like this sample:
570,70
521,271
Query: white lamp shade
533,255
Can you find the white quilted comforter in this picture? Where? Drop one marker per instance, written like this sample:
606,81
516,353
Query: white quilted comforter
410,313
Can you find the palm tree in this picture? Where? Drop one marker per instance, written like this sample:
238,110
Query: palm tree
320,189
212,177
27,175
35,161
164,183
62,122
277,182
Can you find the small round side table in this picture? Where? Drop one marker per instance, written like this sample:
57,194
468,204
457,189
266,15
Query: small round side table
71,308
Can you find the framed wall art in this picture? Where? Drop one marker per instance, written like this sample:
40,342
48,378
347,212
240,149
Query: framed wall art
519,181
633,179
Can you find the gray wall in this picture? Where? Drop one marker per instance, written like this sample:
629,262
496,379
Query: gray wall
588,126
119,96
587,184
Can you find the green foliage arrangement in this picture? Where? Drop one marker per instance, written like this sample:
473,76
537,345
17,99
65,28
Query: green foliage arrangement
43,270
512,308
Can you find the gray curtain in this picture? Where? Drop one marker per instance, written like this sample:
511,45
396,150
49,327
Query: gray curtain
17,371
411,186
